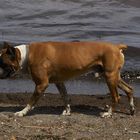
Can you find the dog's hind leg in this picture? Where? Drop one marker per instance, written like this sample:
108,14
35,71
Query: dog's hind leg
62,89
129,91
112,82
39,89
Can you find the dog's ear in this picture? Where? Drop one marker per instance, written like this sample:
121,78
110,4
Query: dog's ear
6,45
11,52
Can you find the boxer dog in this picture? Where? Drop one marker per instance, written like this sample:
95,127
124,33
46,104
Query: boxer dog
56,62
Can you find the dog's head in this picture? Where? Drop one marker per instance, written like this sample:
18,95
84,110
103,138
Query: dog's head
9,61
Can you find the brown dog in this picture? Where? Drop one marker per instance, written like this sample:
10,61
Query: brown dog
55,62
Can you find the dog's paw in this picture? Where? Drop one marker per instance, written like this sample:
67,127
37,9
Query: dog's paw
19,114
132,111
24,111
106,115
66,113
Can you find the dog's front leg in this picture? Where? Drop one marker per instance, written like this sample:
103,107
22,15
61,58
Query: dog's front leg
62,89
37,94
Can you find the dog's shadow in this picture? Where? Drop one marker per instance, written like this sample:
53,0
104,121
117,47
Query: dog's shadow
82,109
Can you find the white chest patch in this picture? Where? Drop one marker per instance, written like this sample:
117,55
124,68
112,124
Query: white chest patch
24,53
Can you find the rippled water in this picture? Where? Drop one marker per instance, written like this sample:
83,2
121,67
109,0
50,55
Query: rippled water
24,21
38,20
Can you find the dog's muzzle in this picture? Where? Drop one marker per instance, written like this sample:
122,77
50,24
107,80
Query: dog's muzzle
6,71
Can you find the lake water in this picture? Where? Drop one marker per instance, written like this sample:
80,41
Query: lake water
73,87
67,20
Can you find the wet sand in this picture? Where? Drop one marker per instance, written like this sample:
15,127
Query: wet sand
45,122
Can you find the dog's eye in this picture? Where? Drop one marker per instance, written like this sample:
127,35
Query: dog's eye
11,57
8,57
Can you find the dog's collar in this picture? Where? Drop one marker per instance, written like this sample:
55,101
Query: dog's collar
24,51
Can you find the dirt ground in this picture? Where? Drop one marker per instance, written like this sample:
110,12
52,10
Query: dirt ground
45,122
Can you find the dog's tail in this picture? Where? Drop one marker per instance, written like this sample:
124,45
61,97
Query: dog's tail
122,46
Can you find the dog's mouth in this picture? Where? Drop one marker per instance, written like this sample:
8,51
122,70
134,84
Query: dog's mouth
6,71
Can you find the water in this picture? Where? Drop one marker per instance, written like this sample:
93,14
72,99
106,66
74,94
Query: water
67,20
73,87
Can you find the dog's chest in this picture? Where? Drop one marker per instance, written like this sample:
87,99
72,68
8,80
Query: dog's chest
24,56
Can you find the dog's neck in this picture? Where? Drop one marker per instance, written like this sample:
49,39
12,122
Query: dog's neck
24,55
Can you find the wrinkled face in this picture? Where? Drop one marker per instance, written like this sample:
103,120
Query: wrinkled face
8,61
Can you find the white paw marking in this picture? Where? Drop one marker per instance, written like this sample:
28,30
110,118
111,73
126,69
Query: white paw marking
19,114
106,115
67,111
24,111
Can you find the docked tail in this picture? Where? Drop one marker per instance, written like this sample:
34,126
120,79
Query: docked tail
122,46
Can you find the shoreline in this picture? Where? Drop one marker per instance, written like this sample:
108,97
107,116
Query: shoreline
55,100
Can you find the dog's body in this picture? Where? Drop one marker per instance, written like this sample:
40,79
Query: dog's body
55,62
